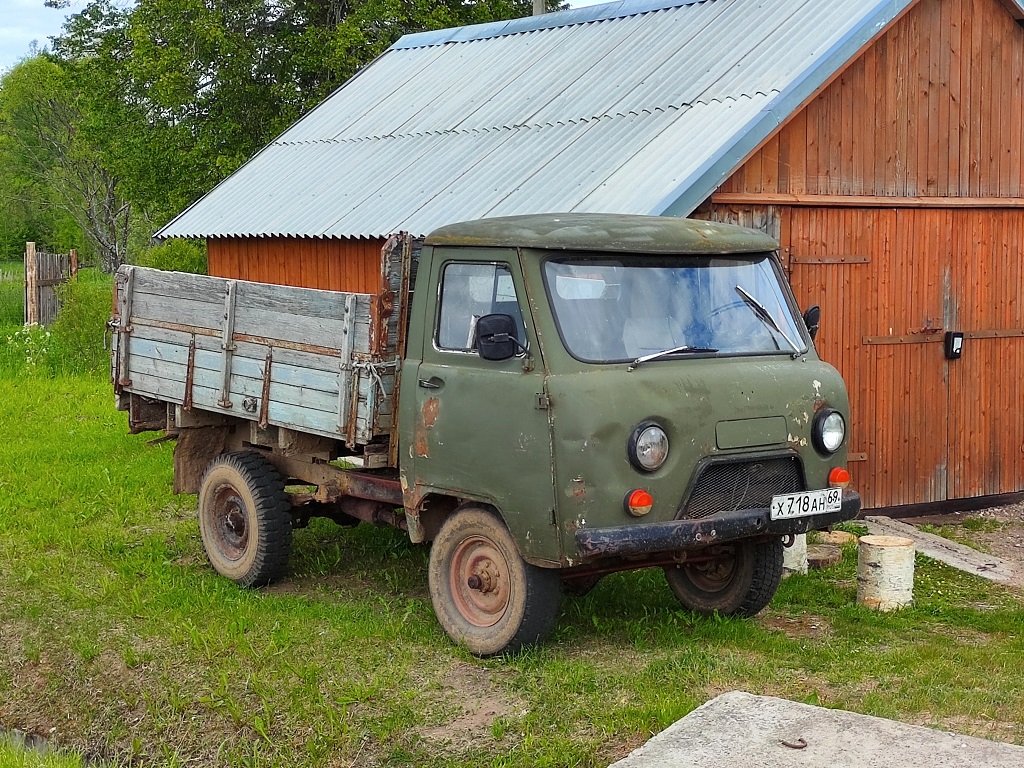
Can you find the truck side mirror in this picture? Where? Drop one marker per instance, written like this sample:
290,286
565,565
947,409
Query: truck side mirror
812,319
497,337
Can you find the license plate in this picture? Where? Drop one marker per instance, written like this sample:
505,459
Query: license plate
807,503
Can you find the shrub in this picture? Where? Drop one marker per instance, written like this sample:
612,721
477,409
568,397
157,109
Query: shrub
12,293
80,334
176,256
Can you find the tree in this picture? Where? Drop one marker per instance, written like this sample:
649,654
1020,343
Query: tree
43,110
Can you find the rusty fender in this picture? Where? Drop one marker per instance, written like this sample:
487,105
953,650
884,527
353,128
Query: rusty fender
648,538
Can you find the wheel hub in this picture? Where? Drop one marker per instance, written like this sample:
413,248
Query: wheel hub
231,523
713,575
479,581
485,578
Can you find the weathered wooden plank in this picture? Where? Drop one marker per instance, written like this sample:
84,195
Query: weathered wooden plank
185,310
205,399
278,301
321,331
252,321
201,288
291,384
241,387
209,361
297,358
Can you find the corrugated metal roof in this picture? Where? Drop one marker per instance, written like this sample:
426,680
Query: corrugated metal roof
630,107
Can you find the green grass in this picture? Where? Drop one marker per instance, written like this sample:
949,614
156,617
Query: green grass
116,634
12,293
14,756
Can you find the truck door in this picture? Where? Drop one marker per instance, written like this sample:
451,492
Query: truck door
482,426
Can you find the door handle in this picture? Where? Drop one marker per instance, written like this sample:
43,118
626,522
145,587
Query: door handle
432,383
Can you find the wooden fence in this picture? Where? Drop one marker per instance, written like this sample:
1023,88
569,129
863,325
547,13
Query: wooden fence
43,273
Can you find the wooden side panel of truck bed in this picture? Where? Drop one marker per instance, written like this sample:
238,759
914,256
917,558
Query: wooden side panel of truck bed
278,355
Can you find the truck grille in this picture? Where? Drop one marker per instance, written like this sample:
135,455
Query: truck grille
742,485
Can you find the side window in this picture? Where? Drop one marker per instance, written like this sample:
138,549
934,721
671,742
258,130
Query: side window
468,292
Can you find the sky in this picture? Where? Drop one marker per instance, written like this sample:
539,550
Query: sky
22,21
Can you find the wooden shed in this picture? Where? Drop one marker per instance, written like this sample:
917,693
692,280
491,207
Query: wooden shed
879,140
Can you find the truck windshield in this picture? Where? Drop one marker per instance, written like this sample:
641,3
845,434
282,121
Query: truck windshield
614,310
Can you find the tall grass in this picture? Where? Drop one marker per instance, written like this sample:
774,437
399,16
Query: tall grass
12,293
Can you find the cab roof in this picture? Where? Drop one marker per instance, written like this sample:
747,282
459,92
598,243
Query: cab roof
617,233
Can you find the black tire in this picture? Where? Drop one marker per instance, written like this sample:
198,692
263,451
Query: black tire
245,519
740,582
486,597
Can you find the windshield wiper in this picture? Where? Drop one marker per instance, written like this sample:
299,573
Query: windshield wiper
674,351
765,317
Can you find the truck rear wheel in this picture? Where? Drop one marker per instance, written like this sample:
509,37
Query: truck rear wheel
244,519
740,582
486,597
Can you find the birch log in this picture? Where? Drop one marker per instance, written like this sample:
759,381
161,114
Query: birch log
885,572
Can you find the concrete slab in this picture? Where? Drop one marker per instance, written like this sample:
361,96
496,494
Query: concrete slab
949,552
740,730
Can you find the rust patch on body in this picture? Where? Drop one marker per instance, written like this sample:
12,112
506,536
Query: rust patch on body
428,415
429,411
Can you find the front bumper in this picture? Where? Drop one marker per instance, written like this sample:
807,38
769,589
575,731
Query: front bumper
673,535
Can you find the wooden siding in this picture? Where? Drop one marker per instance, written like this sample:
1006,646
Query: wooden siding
934,107
351,265
891,282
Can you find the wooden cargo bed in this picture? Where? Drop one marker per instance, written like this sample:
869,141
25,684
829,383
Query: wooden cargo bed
319,362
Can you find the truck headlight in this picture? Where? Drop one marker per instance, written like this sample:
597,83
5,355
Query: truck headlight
648,447
829,431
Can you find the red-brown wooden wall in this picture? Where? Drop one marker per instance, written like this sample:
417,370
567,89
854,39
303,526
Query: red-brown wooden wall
332,264
897,194
933,107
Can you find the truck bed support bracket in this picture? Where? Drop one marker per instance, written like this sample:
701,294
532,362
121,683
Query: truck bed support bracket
348,332
227,345
124,330
264,419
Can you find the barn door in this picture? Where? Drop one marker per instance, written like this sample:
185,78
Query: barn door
880,276
986,290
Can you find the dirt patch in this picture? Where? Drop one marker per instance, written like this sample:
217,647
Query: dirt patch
796,626
477,699
1007,541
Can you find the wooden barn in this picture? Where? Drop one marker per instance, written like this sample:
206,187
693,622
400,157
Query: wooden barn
880,141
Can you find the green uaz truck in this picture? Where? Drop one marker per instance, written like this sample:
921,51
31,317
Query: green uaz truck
546,399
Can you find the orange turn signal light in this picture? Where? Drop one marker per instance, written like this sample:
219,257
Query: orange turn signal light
839,477
639,502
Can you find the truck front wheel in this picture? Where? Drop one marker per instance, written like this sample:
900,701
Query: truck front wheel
244,519
740,581
486,597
